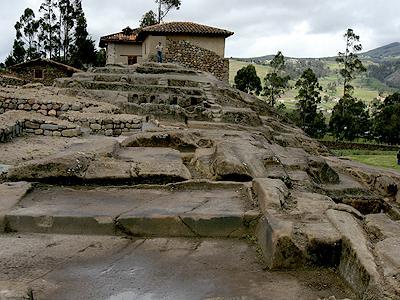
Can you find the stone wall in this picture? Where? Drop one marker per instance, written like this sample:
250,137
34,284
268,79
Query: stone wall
46,107
11,130
50,73
16,123
107,124
10,80
340,145
189,55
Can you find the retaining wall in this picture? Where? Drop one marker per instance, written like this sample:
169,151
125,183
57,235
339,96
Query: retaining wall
189,55
109,125
338,145
44,107
14,124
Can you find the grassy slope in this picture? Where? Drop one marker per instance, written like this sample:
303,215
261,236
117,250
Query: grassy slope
386,159
235,65
365,89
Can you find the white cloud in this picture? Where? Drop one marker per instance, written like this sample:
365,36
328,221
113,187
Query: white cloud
301,28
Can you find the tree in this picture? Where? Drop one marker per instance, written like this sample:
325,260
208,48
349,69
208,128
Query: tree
49,28
350,117
331,88
27,28
9,61
310,119
247,80
386,120
67,22
275,84
351,64
101,58
148,19
164,7
83,52
17,55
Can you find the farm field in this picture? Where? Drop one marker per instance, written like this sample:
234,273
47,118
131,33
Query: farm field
366,89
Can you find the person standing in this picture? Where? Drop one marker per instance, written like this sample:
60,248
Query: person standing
160,51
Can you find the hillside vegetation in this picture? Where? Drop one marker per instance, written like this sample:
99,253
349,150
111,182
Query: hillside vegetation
382,78
367,88
383,53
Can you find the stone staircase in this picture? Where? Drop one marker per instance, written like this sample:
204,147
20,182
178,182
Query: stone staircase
165,91
149,212
214,108
146,89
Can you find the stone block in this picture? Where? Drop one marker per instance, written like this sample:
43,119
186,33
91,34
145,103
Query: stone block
357,264
70,132
65,107
43,112
388,252
381,226
275,237
95,126
76,107
31,125
271,193
50,127
52,113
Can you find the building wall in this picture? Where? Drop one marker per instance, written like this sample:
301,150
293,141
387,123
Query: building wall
50,73
149,46
192,56
118,53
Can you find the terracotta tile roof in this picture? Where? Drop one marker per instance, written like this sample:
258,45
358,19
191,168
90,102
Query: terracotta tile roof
137,35
127,35
184,28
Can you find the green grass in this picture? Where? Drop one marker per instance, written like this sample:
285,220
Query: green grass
366,89
235,65
385,159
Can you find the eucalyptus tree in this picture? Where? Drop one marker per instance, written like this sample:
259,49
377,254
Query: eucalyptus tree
276,83
26,31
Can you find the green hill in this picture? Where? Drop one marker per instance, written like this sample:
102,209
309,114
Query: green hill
383,75
366,87
389,51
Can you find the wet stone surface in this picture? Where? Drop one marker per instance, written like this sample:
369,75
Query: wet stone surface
76,267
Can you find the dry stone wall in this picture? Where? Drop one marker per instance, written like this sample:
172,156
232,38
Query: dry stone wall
16,123
189,55
50,73
48,106
107,124
10,80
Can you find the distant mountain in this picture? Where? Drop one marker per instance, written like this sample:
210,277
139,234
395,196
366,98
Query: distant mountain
385,52
259,60
385,65
389,51
263,59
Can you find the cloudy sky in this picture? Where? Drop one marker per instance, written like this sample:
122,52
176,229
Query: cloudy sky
299,28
